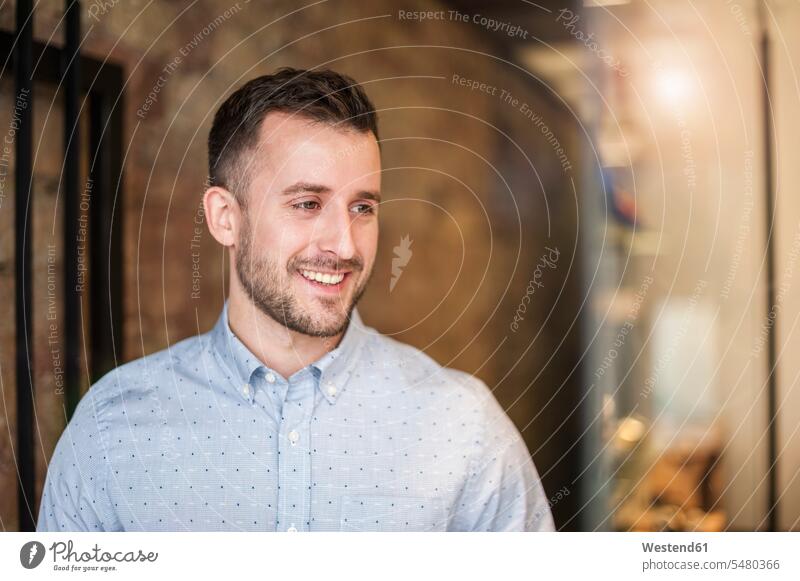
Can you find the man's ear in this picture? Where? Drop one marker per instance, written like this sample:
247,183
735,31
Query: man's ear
223,215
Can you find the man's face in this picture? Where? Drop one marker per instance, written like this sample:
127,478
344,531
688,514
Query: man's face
310,227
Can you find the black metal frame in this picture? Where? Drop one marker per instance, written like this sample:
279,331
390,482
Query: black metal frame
102,83
772,301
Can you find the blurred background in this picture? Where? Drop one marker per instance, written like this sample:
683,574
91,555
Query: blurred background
591,201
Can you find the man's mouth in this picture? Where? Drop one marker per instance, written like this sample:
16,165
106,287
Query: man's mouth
328,279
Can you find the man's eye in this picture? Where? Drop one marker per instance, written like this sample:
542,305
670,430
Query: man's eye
364,209
307,205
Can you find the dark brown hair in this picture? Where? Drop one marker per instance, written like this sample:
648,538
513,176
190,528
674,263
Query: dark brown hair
321,95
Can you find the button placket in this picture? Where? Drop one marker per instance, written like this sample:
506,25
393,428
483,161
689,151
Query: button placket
294,471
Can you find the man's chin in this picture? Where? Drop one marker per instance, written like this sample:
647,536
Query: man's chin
317,320
326,324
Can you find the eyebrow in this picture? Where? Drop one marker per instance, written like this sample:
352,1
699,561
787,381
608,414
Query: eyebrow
300,187
375,196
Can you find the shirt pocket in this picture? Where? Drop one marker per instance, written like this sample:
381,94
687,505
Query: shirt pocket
392,513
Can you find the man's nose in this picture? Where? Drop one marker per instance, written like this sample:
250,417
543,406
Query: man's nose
335,233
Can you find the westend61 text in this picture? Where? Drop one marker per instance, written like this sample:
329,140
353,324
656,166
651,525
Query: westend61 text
675,548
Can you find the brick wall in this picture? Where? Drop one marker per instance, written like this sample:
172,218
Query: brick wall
474,183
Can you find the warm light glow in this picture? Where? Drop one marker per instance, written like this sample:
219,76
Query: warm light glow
673,85
631,430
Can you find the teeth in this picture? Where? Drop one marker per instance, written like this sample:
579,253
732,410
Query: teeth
324,278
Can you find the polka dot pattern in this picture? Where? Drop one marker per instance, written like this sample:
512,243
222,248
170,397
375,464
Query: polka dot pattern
374,436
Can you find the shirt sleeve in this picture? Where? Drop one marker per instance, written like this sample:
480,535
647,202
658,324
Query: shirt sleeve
503,491
75,495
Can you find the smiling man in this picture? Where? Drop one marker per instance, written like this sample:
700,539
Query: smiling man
291,414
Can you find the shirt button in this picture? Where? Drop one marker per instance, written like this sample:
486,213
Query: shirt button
331,389
291,529
246,390
271,377
294,437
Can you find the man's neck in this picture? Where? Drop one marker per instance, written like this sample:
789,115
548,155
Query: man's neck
275,345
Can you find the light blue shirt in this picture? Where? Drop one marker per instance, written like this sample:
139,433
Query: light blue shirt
374,436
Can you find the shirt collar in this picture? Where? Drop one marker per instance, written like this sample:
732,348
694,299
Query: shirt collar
332,370
335,367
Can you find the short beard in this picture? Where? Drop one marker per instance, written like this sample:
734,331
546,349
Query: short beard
260,278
